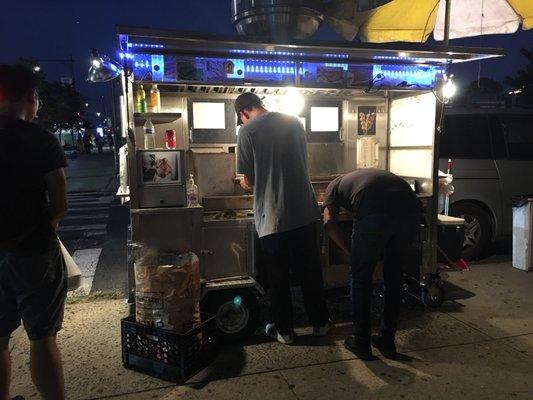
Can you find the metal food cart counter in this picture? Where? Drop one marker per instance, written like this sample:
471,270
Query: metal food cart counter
364,106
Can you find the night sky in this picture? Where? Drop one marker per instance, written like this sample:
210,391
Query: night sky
56,29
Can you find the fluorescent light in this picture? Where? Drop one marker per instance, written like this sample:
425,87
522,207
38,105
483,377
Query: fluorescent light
292,102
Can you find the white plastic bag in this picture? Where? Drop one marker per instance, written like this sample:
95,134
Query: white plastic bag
73,271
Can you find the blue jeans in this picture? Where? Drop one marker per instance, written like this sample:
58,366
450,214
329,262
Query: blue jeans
374,238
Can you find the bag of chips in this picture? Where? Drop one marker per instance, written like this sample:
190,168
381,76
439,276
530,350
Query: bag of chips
167,291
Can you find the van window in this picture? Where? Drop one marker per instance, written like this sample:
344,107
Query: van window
465,136
518,134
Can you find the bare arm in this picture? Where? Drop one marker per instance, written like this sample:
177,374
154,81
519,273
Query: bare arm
333,229
245,160
57,192
246,183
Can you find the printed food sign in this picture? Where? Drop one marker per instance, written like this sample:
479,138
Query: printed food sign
366,120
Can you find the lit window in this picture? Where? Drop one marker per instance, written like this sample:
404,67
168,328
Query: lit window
324,119
208,116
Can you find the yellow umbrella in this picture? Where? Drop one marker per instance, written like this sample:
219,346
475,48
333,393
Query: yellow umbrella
414,20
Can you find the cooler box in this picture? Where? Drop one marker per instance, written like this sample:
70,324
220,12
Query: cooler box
451,236
523,235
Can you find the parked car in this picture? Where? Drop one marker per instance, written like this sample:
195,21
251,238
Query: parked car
492,154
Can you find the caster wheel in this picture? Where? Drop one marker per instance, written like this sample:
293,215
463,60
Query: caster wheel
236,311
432,295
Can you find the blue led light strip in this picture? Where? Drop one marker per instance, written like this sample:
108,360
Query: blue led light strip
411,74
146,45
258,52
283,53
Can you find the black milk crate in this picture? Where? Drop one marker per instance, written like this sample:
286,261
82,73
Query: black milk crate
169,355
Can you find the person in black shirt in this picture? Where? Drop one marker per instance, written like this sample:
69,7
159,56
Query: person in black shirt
386,222
33,282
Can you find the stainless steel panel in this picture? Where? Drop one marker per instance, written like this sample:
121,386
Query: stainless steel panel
168,229
214,173
328,159
277,19
223,203
227,249
162,196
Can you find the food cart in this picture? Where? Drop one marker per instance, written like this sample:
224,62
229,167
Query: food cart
364,105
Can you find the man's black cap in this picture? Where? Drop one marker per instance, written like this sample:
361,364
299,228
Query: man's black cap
246,100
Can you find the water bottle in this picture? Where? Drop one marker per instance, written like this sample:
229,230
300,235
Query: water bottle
192,193
149,135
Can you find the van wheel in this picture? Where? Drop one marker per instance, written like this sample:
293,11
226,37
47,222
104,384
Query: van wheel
478,229
236,312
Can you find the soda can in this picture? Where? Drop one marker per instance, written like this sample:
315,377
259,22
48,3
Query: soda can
170,139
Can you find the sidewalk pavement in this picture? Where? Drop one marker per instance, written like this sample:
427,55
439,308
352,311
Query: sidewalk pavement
92,173
479,345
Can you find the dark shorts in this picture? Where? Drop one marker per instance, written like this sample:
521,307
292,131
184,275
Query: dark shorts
33,289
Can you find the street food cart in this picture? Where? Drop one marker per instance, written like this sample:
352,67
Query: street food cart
362,105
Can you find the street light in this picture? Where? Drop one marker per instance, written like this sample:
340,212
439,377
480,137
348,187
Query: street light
98,114
69,61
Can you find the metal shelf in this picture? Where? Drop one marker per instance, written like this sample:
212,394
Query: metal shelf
157,118
271,88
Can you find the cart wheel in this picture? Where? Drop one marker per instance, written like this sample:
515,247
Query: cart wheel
432,295
236,311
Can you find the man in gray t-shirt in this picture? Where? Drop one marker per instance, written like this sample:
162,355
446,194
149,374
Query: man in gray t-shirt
272,155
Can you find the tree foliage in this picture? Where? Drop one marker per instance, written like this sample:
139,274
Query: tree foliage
523,78
482,90
62,106
486,85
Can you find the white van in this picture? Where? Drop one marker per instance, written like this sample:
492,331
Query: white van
492,155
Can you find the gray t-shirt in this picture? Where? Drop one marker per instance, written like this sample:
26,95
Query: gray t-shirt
272,152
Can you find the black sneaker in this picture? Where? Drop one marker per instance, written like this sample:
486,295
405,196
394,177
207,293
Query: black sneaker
323,330
361,348
385,346
18,398
271,331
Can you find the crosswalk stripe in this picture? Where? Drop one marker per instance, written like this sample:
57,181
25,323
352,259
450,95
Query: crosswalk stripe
87,209
90,202
86,216
81,228
87,261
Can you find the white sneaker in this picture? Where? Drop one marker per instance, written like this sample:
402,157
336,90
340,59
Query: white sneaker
271,331
323,330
